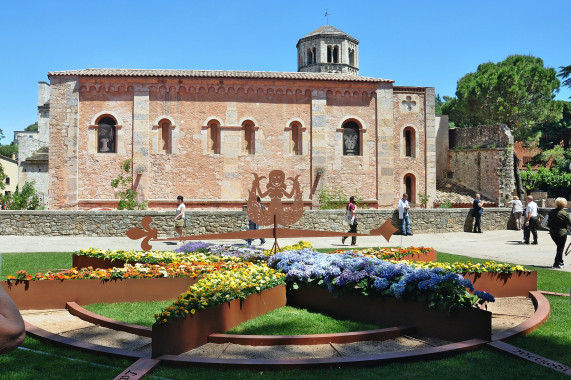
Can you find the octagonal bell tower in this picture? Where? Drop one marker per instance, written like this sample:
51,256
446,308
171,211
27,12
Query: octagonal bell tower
328,50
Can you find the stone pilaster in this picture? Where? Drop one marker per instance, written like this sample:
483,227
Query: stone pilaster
430,163
385,144
319,135
141,139
64,128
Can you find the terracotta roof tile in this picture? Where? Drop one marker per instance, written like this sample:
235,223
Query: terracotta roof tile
218,74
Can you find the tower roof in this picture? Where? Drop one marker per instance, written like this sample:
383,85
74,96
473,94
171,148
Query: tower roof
328,30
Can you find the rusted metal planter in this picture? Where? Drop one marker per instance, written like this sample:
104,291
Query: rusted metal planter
48,294
424,256
183,334
517,284
80,261
460,324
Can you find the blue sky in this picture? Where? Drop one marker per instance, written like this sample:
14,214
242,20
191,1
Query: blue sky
415,42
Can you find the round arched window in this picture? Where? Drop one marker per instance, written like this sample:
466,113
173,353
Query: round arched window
351,136
106,135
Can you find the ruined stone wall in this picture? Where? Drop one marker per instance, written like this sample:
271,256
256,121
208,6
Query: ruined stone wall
483,136
486,171
116,223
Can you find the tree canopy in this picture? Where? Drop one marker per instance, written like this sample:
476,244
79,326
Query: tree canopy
517,91
32,127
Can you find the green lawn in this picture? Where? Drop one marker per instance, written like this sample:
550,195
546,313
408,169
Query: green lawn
552,340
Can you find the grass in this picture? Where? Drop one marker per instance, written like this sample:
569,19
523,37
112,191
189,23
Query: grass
139,313
33,262
551,340
288,320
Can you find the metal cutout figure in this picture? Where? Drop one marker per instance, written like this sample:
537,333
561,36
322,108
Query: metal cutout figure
276,213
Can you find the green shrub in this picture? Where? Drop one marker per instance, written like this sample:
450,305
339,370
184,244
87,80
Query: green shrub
556,183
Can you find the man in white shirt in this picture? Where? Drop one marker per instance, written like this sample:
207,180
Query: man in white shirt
530,220
403,207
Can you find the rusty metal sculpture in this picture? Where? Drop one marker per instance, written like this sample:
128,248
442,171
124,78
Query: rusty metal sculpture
275,214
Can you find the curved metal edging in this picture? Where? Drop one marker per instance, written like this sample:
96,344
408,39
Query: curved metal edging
42,334
300,340
86,315
542,310
344,361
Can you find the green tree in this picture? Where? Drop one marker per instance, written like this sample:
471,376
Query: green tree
25,199
2,176
517,91
7,150
555,133
32,127
438,103
565,74
124,189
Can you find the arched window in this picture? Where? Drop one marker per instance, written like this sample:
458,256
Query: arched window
336,54
351,139
309,57
329,53
314,55
409,183
352,57
165,136
248,138
296,139
409,137
213,138
8,181
107,135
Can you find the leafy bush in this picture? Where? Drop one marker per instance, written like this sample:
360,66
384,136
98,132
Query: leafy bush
445,204
334,197
556,183
125,192
25,199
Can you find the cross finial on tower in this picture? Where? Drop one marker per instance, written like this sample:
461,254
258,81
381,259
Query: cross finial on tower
327,16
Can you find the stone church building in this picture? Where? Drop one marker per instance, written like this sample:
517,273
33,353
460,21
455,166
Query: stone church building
202,133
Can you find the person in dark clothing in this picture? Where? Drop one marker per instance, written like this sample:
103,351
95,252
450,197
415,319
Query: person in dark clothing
558,221
477,212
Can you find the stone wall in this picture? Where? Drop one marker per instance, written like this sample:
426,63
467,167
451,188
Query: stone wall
486,171
116,223
489,136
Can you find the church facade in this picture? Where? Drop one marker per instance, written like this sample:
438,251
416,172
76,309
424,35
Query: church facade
202,134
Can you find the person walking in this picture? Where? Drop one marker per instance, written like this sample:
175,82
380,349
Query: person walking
531,213
179,217
351,219
558,221
517,210
403,207
477,210
253,226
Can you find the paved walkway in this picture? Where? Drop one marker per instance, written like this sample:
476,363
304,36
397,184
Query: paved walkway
501,245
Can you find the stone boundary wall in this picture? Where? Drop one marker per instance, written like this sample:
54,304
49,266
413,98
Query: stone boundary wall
116,223
497,135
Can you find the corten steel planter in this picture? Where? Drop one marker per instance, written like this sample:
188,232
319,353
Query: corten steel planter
517,284
183,334
80,261
461,324
49,294
425,257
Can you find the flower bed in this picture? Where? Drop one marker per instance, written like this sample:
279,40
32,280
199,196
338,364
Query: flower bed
55,294
222,286
183,334
458,324
437,287
395,253
186,269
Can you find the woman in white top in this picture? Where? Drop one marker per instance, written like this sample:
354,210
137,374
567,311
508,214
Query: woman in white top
517,209
179,218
